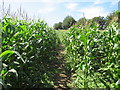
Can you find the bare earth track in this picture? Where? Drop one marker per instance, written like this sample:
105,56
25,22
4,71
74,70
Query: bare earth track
63,78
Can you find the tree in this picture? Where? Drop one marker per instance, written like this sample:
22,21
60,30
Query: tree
58,26
68,22
82,21
110,17
101,21
119,19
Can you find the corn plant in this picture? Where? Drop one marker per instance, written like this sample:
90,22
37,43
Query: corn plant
31,48
94,56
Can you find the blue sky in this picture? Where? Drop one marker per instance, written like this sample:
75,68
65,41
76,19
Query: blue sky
54,11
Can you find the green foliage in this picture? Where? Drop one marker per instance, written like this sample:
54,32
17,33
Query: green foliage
61,34
94,56
58,26
112,16
101,21
82,21
29,49
68,22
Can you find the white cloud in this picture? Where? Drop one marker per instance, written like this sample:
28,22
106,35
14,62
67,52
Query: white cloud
98,2
114,2
91,12
71,6
49,1
46,10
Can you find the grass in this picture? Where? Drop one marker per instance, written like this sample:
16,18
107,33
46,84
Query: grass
61,33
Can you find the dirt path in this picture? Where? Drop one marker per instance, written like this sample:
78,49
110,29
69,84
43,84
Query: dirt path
61,80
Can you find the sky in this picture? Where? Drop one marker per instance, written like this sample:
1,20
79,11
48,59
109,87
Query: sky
54,11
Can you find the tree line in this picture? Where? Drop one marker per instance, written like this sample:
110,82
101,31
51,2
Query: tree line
69,21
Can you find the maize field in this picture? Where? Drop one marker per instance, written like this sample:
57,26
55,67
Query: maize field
94,56
29,49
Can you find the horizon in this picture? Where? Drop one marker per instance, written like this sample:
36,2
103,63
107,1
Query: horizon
55,11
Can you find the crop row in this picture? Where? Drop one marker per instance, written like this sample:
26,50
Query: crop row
28,50
94,56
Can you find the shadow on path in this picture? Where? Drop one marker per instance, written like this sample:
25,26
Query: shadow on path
62,78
